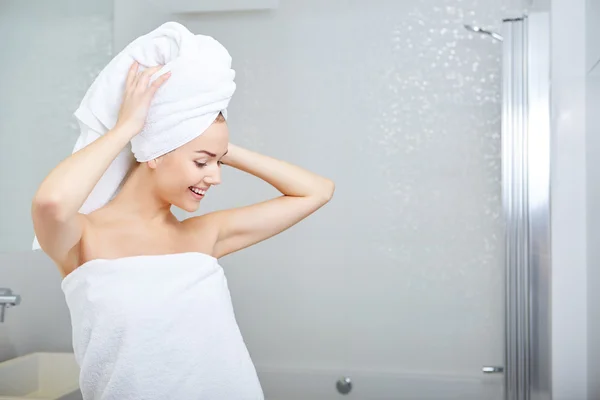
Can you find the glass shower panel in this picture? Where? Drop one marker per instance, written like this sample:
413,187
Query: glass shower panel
398,283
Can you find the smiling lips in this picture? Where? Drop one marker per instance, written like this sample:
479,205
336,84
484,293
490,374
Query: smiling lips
197,192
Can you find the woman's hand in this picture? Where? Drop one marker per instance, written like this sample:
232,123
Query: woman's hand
138,97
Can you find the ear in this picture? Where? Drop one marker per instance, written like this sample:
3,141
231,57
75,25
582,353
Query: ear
155,162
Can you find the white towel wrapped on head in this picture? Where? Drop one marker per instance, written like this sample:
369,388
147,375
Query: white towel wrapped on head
200,87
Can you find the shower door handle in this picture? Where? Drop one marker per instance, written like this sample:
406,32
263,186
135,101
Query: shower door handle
492,370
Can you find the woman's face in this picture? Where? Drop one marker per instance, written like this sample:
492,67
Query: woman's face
184,175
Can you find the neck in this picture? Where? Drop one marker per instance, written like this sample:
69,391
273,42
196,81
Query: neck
138,198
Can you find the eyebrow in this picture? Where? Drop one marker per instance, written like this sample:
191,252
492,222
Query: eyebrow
209,153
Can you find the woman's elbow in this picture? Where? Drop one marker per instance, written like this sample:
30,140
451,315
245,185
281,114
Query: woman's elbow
327,190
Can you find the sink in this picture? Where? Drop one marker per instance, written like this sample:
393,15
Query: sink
42,376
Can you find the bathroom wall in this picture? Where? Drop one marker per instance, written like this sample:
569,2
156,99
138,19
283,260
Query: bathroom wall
41,322
51,52
572,224
593,193
593,232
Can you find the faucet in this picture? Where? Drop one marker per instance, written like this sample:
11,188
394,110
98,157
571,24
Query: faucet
7,300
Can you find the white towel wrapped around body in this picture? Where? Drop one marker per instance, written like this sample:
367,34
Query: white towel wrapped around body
158,327
200,87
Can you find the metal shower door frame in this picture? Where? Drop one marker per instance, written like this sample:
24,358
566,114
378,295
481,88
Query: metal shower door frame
526,204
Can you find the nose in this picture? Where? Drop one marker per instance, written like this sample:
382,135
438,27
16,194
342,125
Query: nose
214,178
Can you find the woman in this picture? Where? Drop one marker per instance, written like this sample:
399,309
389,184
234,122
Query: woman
149,304
139,221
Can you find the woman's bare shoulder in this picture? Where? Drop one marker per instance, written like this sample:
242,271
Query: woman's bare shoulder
202,228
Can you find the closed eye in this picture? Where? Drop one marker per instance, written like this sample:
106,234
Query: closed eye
202,165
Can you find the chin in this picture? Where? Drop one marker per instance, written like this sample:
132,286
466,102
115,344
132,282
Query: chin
190,207
187,205
187,202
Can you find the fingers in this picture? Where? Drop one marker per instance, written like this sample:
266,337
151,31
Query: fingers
158,82
144,77
131,74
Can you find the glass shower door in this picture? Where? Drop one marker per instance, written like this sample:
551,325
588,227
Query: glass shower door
398,283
